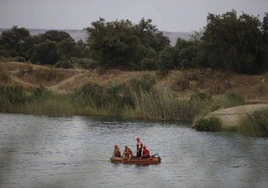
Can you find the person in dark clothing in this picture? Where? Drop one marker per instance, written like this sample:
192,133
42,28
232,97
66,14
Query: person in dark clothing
139,147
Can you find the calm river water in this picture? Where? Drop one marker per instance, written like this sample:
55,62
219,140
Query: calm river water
74,152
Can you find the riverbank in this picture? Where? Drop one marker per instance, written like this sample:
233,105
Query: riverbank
230,117
182,82
181,94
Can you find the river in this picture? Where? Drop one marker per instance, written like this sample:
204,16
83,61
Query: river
40,151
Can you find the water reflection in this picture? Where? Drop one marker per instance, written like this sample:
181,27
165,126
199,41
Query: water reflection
74,152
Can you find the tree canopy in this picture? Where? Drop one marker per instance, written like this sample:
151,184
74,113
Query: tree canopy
121,43
233,43
228,42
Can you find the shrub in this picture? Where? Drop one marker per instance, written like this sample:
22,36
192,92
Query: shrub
119,94
7,59
38,91
86,63
148,63
64,64
91,94
255,123
146,83
212,124
4,76
20,59
14,94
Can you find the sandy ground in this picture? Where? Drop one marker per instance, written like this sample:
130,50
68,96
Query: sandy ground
230,116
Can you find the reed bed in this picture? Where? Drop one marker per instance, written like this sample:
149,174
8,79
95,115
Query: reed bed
255,123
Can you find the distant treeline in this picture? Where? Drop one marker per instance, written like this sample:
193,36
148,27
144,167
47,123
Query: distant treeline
228,42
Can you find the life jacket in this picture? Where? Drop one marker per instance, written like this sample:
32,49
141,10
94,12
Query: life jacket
146,153
126,152
129,152
117,153
139,145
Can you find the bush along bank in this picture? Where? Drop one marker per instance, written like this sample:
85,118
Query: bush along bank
255,123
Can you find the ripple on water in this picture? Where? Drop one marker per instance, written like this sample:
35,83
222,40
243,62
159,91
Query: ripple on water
74,152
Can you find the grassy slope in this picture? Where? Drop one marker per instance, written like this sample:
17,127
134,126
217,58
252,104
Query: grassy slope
183,82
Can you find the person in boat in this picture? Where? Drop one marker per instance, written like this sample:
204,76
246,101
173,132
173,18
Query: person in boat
139,147
145,153
127,153
117,152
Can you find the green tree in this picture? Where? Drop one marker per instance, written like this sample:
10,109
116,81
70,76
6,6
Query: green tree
27,46
123,44
13,38
66,48
165,61
264,49
264,27
54,35
233,43
81,49
45,53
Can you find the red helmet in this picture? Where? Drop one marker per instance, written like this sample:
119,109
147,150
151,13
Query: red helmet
144,147
115,146
138,139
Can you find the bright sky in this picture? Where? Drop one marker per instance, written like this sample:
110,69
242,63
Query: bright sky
167,15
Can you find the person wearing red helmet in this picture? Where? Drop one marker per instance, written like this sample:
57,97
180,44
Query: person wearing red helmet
139,147
145,153
117,152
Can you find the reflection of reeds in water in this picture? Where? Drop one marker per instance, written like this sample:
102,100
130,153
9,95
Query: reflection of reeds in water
255,123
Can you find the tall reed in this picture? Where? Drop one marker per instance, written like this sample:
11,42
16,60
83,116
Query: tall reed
255,123
50,107
162,104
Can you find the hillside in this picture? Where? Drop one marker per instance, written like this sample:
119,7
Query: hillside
182,82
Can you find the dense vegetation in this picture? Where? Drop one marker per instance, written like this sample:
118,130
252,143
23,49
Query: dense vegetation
211,124
228,42
137,98
255,123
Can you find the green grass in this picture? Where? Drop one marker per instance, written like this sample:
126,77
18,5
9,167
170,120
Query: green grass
255,123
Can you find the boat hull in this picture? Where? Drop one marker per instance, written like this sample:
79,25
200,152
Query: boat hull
137,160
